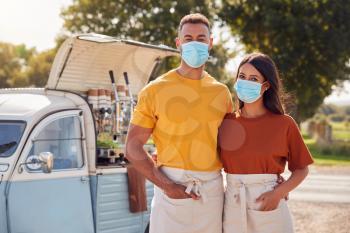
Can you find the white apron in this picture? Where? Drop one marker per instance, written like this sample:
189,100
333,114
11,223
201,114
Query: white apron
241,211
187,215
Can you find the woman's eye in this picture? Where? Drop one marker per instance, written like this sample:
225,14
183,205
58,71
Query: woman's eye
241,77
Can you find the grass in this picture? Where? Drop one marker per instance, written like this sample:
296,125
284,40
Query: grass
333,155
341,130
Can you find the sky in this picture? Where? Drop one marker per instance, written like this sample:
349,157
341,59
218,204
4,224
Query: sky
32,22
36,23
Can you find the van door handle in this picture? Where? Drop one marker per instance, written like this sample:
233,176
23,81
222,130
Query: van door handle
84,179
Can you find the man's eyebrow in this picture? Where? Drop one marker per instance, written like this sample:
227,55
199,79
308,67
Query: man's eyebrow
188,35
202,35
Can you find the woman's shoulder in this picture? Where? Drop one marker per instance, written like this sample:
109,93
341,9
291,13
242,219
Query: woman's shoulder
285,119
231,116
227,121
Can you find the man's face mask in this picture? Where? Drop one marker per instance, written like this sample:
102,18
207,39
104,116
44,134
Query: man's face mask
195,53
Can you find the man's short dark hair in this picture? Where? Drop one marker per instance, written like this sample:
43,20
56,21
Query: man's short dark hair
195,18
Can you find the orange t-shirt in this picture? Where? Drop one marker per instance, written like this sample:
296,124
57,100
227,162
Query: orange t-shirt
261,145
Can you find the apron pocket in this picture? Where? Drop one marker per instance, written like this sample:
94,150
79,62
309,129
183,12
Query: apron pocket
265,221
180,211
176,202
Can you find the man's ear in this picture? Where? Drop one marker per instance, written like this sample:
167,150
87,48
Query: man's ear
177,42
210,42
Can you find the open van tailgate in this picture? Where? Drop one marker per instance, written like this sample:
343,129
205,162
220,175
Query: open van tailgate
83,62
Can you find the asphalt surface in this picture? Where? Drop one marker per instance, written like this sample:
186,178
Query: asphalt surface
326,186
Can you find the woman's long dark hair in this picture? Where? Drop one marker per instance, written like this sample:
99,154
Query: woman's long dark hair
274,96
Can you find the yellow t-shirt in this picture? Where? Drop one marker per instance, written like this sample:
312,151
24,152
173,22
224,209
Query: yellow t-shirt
185,115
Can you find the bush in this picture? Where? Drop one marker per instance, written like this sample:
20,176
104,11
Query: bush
347,110
319,117
337,118
336,149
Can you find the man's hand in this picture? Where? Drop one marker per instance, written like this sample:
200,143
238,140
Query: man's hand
269,200
177,191
143,163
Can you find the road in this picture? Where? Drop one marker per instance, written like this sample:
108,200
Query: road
322,202
323,187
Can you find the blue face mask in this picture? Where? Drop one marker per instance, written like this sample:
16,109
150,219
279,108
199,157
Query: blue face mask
247,91
195,53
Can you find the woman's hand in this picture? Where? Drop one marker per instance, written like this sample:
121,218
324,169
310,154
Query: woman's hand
269,200
281,180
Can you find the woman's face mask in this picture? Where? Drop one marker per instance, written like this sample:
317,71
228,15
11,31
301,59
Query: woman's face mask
195,53
248,91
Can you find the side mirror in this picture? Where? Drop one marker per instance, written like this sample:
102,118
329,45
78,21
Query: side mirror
46,159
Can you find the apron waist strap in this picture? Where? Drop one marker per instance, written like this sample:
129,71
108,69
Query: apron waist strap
248,180
193,180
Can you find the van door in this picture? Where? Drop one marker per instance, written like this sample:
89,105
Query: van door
59,201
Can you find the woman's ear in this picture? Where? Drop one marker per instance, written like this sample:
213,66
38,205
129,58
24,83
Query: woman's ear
266,86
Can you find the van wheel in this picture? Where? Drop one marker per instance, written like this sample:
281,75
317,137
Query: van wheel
147,229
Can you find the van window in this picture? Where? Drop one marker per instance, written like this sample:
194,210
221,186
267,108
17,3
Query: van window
10,136
63,138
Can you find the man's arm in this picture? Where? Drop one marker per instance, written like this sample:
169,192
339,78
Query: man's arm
143,163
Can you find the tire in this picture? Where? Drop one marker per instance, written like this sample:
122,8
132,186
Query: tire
147,229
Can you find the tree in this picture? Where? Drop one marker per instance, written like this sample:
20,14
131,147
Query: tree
145,20
309,41
13,59
221,55
21,66
148,21
38,68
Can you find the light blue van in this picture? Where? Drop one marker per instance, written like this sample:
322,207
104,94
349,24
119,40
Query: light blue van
50,178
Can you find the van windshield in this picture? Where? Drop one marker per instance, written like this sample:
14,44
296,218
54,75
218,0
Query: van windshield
10,136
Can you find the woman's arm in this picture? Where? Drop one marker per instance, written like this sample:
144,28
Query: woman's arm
270,200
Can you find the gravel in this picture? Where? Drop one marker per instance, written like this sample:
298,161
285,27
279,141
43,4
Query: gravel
313,217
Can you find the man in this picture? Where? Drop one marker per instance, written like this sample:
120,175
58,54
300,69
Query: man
183,109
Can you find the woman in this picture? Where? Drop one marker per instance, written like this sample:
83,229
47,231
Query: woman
255,143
